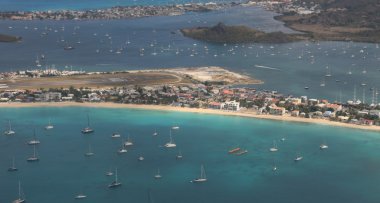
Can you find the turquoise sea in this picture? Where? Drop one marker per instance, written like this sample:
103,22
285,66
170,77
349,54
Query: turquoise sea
347,172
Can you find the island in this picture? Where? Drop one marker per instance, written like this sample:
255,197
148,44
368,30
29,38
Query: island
9,38
222,33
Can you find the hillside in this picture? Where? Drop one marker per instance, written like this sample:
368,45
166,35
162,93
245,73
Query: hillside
344,20
222,33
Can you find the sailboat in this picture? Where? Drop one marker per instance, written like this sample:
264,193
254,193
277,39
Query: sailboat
115,183
171,143
179,155
9,131
175,127
80,195
109,173
202,178
298,158
123,149
49,126
20,198
34,157
34,141
323,83
323,146
87,129
274,168
128,142
89,153
115,135
155,132
13,167
274,148
158,175
328,72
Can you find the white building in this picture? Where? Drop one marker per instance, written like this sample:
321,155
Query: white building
231,105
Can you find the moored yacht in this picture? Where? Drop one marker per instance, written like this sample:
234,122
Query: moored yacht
155,132
171,143
13,167
115,135
89,152
274,148
122,150
34,141
202,178
323,146
115,183
9,131
179,155
33,158
158,175
80,196
298,158
49,126
87,129
128,142
20,198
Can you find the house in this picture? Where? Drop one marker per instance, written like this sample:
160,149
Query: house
274,110
231,106
214,105
51,96
295,113
363,121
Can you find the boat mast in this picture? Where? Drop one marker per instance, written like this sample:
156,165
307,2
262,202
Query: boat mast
116,176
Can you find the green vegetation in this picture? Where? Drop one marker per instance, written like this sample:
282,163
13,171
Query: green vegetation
222,33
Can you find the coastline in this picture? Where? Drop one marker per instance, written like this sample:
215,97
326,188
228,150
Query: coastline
285,118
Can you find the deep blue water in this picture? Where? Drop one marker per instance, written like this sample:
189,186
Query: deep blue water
346,172
296,64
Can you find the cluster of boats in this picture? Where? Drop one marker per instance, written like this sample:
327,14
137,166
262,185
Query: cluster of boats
88,130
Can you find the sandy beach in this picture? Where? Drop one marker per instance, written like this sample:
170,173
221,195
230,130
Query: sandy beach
285,118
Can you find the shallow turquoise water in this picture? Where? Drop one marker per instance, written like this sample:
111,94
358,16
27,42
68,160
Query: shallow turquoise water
346,172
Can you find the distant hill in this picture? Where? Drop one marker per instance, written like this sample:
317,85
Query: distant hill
222,33
9,38
346,20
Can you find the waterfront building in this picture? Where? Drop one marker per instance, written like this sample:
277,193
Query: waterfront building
231,106
275,110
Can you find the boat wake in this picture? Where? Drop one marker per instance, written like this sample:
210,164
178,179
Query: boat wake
266,67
